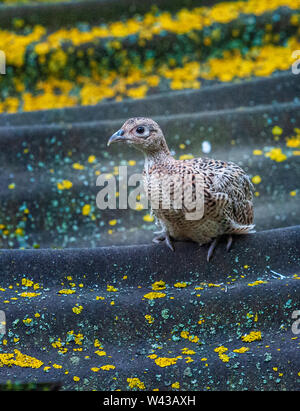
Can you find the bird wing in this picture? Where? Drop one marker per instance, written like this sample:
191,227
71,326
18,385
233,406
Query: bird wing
227,189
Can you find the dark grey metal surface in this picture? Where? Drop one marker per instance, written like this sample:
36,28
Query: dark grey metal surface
253,288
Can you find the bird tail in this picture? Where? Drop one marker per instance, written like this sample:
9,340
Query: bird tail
242,229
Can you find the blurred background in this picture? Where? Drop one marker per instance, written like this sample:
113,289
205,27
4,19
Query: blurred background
216,75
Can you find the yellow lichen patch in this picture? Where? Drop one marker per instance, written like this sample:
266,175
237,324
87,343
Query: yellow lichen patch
78,338
176,385
241,350
257,152
158,285
139,207
29,295
276,154
108,367
91,159
187,351
111,288
293,142
277,131
137,92
29,283
59,345
252,336
165,361
221,350
180,285
186,335
112,222
16,42
153,295
27,320
224,357
100,353
64,185
78,166
19,231
135,383
46,368
97,343
86,209
77,309
186,157
20,360
257,282
256,179
148,218
65,291
149,318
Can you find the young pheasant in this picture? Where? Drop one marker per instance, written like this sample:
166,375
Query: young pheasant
227,191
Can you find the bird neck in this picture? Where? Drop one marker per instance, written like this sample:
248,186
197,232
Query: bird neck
159,156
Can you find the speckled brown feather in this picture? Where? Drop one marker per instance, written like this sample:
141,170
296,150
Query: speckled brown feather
228,207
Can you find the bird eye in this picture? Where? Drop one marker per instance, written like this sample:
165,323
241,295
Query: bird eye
140,130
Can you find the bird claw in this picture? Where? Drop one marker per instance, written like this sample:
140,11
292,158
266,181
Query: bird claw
213,246
211,249
164,237
159,232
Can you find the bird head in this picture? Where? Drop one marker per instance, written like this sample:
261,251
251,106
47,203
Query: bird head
142,133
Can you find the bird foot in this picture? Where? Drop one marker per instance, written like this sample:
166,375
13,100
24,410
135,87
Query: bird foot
213,246
164,237
229,242
211,249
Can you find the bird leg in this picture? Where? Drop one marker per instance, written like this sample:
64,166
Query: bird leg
164,237
229,242
211,249
158,238
213,246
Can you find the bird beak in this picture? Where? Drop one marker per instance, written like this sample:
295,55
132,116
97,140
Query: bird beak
118,136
